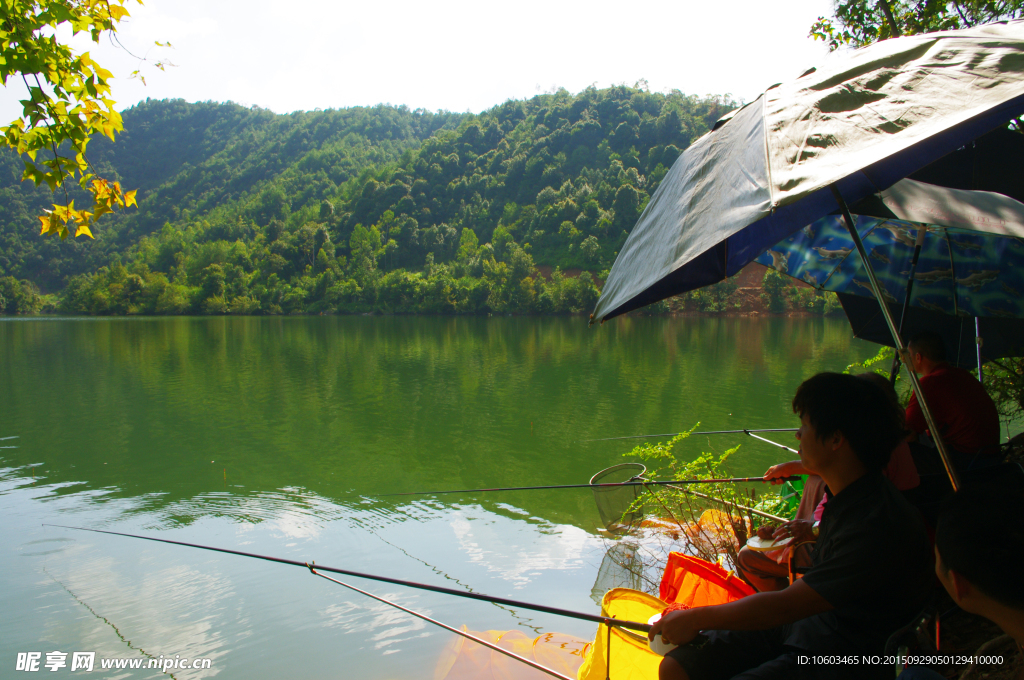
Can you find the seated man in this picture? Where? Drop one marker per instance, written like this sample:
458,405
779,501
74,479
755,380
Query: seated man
770,571
871,567
964,413
979,550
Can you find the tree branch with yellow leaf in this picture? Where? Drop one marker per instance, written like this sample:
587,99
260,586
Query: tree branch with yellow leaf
68,102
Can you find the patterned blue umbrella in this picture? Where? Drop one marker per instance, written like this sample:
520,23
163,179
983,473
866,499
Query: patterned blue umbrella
975,272
956,254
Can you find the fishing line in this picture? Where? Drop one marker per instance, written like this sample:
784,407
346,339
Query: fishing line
107,621
544,669
676,434
753,511
642,627
523,620
727,480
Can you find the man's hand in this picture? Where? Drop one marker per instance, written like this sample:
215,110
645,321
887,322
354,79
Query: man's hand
801,530
777,473
754,612
676,627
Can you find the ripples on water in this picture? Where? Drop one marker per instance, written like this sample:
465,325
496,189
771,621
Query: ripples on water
272,435
122,597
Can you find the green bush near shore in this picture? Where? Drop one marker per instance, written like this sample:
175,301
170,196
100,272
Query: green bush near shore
19,297
779,294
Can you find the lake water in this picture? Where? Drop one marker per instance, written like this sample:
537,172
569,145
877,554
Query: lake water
276,435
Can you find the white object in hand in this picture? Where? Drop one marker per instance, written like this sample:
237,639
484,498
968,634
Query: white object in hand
760,544
658,644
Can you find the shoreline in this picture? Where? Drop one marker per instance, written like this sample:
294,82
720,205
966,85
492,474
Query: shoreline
789,314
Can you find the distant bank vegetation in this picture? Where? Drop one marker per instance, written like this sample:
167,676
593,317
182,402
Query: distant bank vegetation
520,209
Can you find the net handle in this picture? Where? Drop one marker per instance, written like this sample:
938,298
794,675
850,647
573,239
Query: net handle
622,466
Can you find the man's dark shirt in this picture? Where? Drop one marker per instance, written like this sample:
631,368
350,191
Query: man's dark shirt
872,562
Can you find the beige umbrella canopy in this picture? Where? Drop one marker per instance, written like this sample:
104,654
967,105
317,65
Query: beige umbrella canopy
805,148
861,122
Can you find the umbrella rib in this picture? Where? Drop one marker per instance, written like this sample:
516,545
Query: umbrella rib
767,154
919,237
832,273
952,273
900,347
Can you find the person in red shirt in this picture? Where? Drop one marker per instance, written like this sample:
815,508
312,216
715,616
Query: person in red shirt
964,413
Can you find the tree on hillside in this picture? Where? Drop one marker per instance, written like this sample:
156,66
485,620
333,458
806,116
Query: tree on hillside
360,210
861,22
67,102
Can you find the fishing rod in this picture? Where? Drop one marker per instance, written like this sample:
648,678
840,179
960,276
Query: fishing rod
642,627
529,662
603,485
676,434
753,511
769,441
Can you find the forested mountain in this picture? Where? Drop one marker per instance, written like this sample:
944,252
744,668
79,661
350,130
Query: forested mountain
362,209
188,160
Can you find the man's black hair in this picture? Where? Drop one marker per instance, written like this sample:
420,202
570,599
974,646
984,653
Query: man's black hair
979,535
929,344
836,402
883,383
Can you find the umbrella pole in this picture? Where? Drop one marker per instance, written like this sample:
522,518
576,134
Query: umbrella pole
918,244
977,343
900,347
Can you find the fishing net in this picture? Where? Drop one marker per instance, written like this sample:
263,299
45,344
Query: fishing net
687,582
698,583
622,567
614,502
630,657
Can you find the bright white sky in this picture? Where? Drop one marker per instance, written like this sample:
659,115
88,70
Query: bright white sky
452,54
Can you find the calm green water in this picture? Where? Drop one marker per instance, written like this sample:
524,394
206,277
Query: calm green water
272,435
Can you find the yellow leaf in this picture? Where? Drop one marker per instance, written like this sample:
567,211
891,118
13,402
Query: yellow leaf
50,224
82,229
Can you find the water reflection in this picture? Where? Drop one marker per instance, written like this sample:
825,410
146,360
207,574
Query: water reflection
187,407
125,598
276,436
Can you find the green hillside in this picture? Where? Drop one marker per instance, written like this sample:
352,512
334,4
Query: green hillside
356,210
198,158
